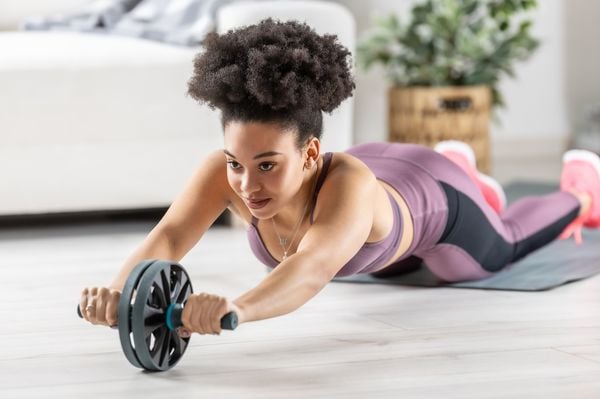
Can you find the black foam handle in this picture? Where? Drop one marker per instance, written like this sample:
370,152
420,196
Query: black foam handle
229,321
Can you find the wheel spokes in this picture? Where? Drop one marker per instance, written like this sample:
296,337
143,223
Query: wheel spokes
153,319
179,344
183,292
160,290
161,347
157,346
165,276
176,282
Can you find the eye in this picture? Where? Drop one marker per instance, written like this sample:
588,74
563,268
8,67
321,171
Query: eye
233,165
265,167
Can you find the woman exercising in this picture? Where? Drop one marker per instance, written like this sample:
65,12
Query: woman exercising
312,216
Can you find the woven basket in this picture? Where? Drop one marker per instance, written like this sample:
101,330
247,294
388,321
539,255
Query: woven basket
428,115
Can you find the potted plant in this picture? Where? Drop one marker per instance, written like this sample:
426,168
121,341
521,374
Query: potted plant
444,66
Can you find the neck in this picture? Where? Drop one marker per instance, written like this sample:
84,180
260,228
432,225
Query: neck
288,217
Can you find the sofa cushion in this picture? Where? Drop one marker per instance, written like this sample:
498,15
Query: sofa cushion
92,88
96,122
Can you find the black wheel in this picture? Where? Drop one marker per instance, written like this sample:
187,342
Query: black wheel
124,312
158,347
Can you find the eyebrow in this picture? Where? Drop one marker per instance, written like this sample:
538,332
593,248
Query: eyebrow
261,155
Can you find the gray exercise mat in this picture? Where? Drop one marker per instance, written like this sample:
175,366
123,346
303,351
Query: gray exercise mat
558,263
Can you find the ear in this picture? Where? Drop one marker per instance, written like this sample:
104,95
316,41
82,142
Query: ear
312,151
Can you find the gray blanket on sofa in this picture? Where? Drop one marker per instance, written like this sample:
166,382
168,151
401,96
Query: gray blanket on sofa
181,22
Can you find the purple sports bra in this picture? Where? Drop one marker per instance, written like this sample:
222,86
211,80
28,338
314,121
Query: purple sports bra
369,258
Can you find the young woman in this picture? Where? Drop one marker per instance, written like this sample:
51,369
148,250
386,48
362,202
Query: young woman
312,215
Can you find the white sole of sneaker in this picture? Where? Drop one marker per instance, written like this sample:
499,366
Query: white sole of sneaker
467,151
495,185
458,146
583,155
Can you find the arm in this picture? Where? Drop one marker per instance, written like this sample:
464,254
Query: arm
204,198
340,229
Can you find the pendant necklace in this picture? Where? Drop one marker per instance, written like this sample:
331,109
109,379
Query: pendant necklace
283,240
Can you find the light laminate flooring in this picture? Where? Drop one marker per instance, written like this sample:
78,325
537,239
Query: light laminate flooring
350,341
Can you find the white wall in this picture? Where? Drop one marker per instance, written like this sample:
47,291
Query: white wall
582,55
536,100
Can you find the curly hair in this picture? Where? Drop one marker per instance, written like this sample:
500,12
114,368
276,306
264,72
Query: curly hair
273,72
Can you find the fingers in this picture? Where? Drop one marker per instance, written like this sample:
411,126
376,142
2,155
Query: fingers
99,305
210,322
83,303
90,309
101,301
112,307
205,315
202,314
186,315
217,311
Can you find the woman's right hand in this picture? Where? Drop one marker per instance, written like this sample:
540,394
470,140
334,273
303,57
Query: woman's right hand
99,305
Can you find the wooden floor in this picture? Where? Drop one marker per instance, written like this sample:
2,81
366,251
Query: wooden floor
351,341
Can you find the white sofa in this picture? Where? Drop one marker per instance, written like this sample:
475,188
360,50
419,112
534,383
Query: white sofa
102,122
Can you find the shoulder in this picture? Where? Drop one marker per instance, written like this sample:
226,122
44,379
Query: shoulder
214,170
343,214
205,196
347,176
215,160
211,175
349,169
214,165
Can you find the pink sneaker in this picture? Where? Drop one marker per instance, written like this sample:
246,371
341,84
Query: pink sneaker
581,172
462,155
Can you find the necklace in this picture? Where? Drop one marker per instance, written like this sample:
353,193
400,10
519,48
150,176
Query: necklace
283,240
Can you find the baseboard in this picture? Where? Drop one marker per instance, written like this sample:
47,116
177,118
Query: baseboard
152,215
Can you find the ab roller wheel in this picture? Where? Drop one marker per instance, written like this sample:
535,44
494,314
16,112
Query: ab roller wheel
150,311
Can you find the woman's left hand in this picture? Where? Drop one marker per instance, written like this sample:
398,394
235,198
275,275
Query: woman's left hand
203,312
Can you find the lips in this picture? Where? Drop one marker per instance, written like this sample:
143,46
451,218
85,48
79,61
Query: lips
257,204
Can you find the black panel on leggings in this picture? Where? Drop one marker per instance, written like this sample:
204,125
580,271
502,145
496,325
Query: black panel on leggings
468,228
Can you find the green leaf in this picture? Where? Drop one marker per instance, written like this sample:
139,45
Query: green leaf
469,7
451,42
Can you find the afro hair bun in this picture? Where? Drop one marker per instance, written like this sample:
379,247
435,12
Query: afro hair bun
272,65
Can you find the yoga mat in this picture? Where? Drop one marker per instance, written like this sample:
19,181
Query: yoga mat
555,264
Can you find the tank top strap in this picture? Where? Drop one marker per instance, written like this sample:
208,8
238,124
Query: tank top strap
326,162
254,221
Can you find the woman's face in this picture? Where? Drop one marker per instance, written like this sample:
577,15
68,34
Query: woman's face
264,166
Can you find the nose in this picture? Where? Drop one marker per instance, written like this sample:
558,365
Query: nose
249,184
